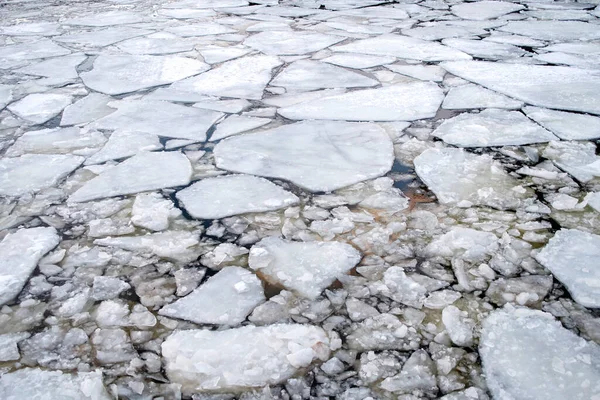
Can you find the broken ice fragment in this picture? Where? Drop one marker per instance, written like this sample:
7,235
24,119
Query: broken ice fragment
40,107
290,42
566,125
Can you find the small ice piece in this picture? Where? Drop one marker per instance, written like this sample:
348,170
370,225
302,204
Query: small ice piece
562,31
306,268
491,127
155,46
18,54
142,172
562,88
172,245
20,253
573,256
235,124
579,159
40,107
160,118
401,288
152,211
118,74
526,354
290,42
358,61
315,155
403,47
108,287
88,109
242,358
125,144
244,78
474,96
418,374
483,10
381,332
108,18
566,125
101,38
422,72
200,29
34,172
458,325
485,49
593,200
401,102
57,141
224,196
466,243
8,346
465,179
305,75
34,383
225,299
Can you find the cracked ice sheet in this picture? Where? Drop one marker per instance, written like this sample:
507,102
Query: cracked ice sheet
18,54
546,86
573,257
483,10
290,42
40,107
491,127
566,125
225,299
465,179
554,30
401,102
118,74
236,359
143,172
527,354
20,253
219,197
304,267
244,78
315,155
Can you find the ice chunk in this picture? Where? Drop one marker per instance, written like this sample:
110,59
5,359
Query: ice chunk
358,61
18,54
19,255
155,46
404,102
200,29
40,107
142,172
307,75
579,159
160,118
108,287
491,127
88,109
101,38
6,92
553,30
474,96
108,18
483,10
235,124
381,332
458,326
224,196
573,256
31,29
403,47
566,125
465,179
422,72
57,141
203,4
469,244
59,67
8,345
244,78
417,375
174,245
34,172
290,42
316,155
526,354
485,49
307,268
125,144
401,288
153,212
217,54
30,383
118,74
546,86
241,358
226,299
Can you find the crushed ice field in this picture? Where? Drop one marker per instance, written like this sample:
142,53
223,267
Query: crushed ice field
299,199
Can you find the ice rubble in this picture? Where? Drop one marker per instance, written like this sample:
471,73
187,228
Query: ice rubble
401,102
545,86
118,74
526,354
573,256
20,253
343,153
225,299
465,179
35,383
142,172
306,268
491,127
244,357
219,197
